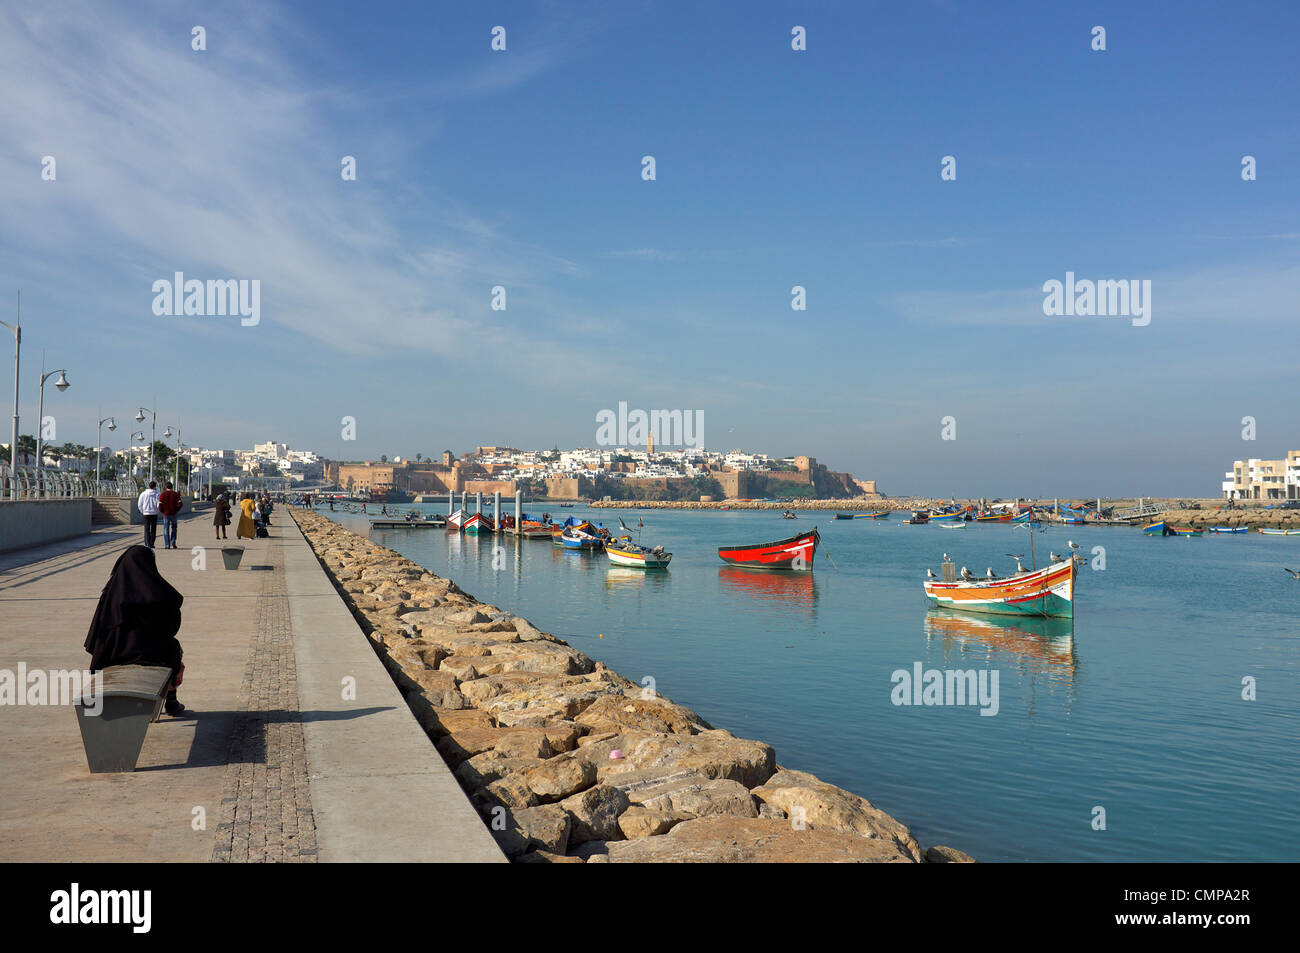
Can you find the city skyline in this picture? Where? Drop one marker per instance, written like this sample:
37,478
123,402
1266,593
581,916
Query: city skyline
776,168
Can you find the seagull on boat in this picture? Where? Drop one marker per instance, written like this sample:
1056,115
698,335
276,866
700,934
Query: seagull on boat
990,574
929,574
965,573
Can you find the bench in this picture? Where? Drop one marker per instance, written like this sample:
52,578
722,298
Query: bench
132,697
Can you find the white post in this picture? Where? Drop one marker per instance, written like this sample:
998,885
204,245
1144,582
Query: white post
451,502
496,510
519,502
478,502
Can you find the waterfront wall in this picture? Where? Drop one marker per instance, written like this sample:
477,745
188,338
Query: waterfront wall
34,522
569,761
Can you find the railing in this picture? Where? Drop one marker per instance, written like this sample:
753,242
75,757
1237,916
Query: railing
1145,509
54,484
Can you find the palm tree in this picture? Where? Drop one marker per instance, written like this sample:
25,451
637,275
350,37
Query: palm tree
419,457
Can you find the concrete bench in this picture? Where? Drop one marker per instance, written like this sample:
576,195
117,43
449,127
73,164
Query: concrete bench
132,697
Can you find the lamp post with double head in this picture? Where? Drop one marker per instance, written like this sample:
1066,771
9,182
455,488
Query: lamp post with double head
138,435
139,418
62,384
176,468
99,446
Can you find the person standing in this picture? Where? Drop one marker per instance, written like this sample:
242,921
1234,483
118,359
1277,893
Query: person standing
148,504
221,516
246,529
169,505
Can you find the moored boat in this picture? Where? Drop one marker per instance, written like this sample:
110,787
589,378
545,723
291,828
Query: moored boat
456,521
1157,529
1267,531
794,553
1043,592
478,523
876,516
1227,529
844,516
624,552
947,525
1184,531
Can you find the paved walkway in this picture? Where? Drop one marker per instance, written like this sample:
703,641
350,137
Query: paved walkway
278,765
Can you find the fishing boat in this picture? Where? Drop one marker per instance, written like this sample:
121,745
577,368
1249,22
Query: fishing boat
1227,529
789,515
844,516
946,525
1157,529
624,552
1047,592
456,521
1279,532
946,517
875,516
1183,531
478,523
795,553
580,539
993,518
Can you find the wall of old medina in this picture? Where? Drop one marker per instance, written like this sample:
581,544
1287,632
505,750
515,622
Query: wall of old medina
736,484
868,488
487,487
831,484
569,488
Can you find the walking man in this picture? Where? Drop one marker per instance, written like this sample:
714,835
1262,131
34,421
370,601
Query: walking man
148,504
169,505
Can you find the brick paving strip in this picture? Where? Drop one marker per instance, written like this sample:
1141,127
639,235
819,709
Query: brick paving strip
266,813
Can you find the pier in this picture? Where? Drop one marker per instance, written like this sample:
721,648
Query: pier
302,748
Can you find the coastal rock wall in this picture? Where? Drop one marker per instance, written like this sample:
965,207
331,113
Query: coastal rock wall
569,761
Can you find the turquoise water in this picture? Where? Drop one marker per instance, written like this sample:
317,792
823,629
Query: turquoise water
1136,707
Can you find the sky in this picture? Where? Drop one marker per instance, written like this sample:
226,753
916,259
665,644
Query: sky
774,168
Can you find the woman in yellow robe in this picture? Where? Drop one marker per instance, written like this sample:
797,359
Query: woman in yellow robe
246,527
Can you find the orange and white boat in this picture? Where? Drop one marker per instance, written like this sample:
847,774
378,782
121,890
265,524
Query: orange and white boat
1046,592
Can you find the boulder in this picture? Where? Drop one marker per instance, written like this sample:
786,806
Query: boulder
823,806
728,839
939,854
698,798
545,827
561,776
713,754
594,813
638,821
619,713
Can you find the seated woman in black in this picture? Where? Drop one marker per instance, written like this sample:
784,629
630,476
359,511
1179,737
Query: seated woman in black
136,621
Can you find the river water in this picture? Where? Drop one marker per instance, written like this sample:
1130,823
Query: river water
1135,709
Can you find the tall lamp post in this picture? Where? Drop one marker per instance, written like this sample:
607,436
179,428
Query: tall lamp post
138,435
17,329
139,418
176,470
99,441
62,384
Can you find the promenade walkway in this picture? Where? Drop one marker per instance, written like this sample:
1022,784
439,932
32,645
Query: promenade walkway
280,764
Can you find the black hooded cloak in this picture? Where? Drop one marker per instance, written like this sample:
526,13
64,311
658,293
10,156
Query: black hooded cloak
138,616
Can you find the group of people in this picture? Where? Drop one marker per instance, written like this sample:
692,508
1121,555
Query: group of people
254,516
153,504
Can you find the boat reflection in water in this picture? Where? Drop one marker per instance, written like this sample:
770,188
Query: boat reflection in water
1043,646
624,578
796,590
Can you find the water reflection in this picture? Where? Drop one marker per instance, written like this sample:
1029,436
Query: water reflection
618,578
1036,646
794,589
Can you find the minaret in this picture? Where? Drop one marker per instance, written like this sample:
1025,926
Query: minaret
650,444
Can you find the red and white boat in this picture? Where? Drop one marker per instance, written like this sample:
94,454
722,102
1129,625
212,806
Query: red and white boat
478,523
795,553
456,521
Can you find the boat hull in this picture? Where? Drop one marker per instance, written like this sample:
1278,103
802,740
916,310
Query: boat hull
1047,592
636,560
1156,529
478,523
1227,529
795,553
1280,532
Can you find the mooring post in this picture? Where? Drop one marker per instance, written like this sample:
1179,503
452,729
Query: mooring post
496,510
519,519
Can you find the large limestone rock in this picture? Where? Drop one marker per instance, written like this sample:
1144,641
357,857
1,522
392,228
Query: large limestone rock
561,776
732,840
619,713
711,754
696,798
938,854
534,828
638,821
595,813
823,806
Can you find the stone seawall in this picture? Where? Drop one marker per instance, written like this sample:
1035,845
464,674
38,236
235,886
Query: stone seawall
569,761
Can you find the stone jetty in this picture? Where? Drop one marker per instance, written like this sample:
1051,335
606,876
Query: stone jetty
570,762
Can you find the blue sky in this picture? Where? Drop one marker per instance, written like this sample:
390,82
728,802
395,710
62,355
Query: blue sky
775,168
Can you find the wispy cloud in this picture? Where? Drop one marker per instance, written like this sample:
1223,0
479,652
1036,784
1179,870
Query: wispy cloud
226,163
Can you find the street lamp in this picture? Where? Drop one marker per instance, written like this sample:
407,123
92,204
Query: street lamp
99,445
176,478
17,329
138,435
139,418
62,384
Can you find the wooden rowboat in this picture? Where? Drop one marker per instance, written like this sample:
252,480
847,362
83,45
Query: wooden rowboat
1280,532
795,553
624,552
478,523
1044,592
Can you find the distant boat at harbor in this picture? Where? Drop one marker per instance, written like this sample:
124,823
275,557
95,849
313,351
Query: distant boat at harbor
795,553
1157,529
1280,532
624,552
478,523
1228,529
456,521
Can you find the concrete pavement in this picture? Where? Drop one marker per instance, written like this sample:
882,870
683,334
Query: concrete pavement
279,765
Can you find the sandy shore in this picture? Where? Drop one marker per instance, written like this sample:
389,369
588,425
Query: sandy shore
569,761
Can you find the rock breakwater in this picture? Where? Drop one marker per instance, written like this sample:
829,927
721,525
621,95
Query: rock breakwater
567,760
